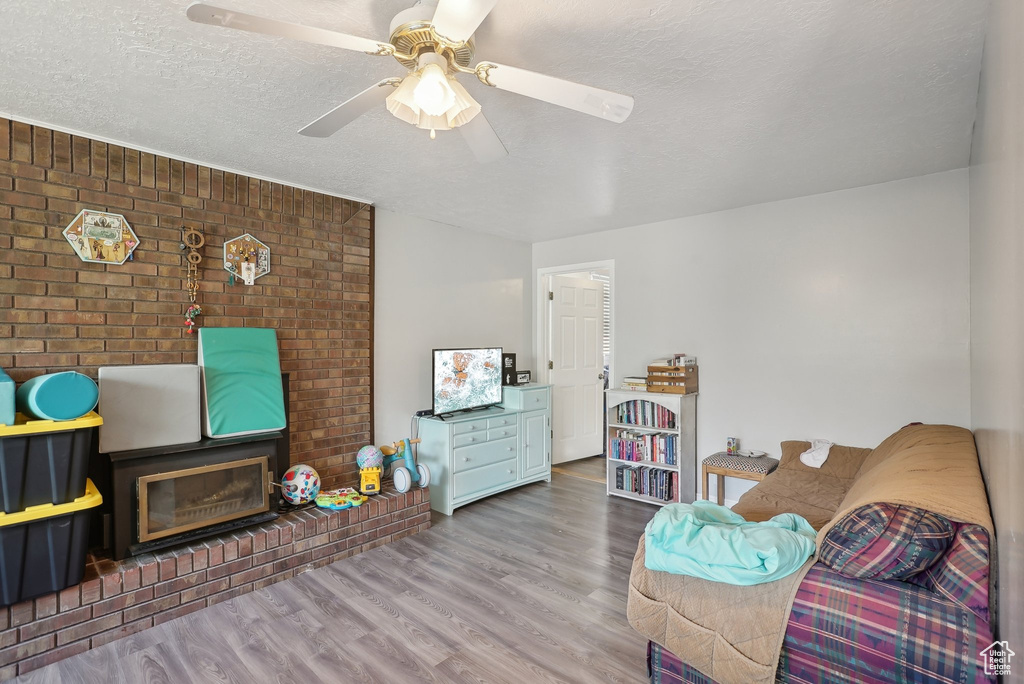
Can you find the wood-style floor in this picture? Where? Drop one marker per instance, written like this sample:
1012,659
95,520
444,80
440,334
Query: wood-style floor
592,468
528,586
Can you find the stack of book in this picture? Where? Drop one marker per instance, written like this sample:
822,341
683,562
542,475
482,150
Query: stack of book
634,384
652,482
629,445
645,414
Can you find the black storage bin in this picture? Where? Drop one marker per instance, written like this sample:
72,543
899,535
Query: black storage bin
42,550
44,461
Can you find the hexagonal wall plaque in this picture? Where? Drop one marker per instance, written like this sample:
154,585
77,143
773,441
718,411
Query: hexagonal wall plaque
247,258
100,237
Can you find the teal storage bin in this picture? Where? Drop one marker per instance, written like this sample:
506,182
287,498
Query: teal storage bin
7,402
58,396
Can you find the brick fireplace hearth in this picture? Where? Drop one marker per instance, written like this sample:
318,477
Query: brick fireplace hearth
118,598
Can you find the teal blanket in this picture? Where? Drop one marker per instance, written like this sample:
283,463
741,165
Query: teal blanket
706,540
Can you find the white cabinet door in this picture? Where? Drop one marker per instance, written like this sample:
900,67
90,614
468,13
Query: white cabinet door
577,367
536,443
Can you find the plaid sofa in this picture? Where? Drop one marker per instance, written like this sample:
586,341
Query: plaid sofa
854,630
898,595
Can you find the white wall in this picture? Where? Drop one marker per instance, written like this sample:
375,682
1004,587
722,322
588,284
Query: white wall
841,316
997,307
439,286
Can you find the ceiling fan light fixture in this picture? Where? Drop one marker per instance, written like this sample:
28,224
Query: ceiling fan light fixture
401,102
433,94
464,108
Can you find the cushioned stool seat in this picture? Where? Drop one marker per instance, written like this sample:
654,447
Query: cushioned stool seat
241,376
148,406
760,465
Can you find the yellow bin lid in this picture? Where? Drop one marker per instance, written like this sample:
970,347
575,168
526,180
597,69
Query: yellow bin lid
91,499
23,425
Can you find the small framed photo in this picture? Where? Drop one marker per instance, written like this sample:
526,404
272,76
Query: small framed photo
523,377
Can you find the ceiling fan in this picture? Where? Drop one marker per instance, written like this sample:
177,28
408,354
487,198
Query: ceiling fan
434,45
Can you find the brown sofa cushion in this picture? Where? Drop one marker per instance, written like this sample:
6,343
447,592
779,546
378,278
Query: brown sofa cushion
843,462
804,491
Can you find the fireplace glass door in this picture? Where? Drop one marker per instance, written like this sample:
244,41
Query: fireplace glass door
183,500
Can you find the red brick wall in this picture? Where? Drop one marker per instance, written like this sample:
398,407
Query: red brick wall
59,313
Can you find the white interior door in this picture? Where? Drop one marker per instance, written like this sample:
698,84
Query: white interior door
577,368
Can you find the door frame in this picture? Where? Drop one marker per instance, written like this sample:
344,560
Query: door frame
542,317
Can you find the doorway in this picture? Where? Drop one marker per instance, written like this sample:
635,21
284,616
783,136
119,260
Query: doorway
575,342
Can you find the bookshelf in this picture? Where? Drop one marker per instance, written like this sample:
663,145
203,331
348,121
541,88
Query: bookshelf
652,438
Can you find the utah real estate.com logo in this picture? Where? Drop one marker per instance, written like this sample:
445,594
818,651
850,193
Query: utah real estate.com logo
997,658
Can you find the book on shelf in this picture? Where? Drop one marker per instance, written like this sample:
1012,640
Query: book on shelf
650,482
634,383
645,414
630,445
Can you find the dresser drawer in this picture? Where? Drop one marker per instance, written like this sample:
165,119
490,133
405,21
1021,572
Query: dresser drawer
469,438
535,399
465,426
481,479
503,421
501,432
477,455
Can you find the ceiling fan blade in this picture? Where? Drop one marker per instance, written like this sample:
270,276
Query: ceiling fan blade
482,139
348,111
594,101
456,20
218,16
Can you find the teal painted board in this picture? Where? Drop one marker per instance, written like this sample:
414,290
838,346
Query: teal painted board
7,402
57,396
241,381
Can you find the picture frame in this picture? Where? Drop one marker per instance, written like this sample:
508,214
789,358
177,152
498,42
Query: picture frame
523,377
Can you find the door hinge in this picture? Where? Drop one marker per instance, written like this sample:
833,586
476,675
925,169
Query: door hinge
551,365
551,296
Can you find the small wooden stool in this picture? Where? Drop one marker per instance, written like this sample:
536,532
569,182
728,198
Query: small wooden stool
726,465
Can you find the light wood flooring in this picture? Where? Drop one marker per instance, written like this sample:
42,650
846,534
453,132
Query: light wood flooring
592,468
527,586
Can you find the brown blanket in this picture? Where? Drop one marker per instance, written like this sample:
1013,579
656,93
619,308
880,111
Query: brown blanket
732,634
933,467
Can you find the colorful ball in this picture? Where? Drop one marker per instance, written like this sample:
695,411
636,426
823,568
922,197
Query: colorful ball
300,484
369,457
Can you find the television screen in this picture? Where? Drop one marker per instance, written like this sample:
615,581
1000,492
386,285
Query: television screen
466,378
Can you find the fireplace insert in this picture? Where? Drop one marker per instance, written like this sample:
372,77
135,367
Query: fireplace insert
171,495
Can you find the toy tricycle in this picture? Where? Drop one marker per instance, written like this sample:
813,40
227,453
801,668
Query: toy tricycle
406,470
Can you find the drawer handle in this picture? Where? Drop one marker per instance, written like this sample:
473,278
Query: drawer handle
509,472
508,448
472,439
466,459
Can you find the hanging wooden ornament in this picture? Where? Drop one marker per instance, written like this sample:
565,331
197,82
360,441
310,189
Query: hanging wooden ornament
192,240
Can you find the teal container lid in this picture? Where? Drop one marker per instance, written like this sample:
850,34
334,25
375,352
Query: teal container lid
58,396
7,404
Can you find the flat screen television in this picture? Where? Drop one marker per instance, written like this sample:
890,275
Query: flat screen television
466,379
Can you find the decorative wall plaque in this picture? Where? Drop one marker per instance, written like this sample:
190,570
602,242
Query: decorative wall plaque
100,237
247,258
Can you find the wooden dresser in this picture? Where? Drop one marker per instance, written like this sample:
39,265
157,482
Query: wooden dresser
479,453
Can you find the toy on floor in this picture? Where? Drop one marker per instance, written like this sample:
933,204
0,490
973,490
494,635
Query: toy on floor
408,472
340,499
370,461
300,484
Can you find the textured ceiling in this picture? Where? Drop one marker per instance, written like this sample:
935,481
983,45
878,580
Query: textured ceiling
737,101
